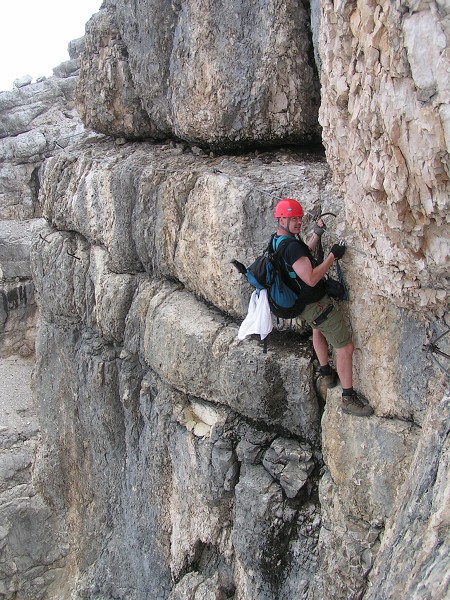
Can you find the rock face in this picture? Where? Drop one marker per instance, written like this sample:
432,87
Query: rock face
231,76
17,301
31,534
119,111
420,544
385,65
184,412
36,121
183,463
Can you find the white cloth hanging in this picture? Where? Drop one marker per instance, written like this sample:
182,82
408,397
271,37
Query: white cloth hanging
258,319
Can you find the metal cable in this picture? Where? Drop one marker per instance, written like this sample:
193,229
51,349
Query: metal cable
432,348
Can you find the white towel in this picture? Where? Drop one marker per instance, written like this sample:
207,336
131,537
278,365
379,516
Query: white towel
259,318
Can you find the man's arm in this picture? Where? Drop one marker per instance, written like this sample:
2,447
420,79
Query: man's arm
313,241
310,276
319,228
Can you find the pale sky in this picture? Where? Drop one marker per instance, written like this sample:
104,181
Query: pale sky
34,35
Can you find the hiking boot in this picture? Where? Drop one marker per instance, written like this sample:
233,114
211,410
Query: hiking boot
330,381
353,405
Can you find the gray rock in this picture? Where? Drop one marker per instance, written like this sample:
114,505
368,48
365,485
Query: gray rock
76,47
31,534
17,302
69,68
222,459
108,102
35,122
17,318
149,480
315,28
358,492
290,463
15,244
31,538
179,216
248,452
262,513
202,100
21,82
416,538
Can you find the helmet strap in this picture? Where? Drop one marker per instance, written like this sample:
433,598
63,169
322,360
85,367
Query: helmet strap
280,226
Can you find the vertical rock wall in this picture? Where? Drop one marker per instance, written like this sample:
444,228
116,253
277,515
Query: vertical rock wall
181,457
384,113
184,463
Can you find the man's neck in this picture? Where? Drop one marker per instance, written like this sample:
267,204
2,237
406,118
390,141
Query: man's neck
284,232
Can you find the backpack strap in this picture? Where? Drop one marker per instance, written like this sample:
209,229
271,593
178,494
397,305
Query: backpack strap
288,277
278,244
278,247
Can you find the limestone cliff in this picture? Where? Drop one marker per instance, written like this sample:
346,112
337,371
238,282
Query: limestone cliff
175,461
36,121
222,76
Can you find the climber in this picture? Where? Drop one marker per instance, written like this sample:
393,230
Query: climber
324,317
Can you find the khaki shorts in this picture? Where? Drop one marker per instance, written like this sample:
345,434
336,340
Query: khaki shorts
333,328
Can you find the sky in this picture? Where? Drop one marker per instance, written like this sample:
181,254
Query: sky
34,35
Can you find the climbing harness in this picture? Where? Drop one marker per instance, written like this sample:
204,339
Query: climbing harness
432,348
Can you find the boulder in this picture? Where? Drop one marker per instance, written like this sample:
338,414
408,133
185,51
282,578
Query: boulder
246,79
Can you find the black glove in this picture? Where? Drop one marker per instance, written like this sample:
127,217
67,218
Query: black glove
338,249
239,266
318,230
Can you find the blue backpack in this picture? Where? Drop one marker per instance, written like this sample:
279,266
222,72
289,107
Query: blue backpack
269,271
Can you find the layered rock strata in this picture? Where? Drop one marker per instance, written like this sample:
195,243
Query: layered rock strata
17,300
228,437
166,393
184,463
37,120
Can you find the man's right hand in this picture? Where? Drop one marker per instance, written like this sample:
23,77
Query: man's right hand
338,250
319,227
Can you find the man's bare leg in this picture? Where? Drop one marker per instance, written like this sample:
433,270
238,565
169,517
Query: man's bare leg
321,347
344,365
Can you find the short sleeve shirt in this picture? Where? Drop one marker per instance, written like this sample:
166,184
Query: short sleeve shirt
293,251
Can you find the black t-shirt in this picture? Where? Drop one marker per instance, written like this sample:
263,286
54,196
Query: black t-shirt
292,252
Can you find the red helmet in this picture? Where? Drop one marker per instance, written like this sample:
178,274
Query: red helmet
288,207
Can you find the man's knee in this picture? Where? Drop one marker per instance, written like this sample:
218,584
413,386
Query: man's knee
346,350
